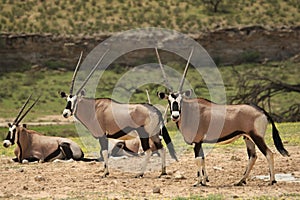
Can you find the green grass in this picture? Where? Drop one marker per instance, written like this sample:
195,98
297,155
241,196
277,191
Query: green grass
45,83
49,82
94,17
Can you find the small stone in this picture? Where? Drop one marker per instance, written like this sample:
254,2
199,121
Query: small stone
178,175
21,170
156,190
97,181
39,178
92,163
25,187
235,158
218,168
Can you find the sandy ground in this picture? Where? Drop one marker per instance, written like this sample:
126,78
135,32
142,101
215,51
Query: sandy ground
82,180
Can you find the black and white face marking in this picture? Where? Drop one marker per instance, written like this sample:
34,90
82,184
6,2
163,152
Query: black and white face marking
174,100
71,106
11,136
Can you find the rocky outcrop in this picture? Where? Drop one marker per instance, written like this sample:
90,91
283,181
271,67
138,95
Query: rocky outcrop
226,46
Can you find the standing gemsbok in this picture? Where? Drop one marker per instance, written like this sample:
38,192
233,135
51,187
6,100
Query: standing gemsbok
33,146
106,118
194,116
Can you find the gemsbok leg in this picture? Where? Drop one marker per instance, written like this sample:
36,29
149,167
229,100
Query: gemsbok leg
104,153
162,153
144,137
252,158
261,144
202,177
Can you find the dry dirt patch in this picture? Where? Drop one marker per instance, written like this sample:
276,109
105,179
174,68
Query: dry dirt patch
82,180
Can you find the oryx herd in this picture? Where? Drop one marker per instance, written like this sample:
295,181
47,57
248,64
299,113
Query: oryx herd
133,127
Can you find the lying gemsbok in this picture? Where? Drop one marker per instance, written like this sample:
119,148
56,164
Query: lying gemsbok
130,147
33,146
194,116
106,118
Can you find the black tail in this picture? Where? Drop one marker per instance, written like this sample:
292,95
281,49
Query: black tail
169,143
275,133
87,159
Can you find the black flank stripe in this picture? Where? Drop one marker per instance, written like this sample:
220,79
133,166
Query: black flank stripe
120,133
225,138
53,155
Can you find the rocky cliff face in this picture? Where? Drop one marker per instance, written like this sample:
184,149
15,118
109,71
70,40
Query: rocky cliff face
226,46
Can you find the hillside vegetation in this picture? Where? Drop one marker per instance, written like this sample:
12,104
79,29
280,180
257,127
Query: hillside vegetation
106,16
49,82
92,17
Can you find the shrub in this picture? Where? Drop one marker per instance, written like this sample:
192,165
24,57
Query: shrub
250,56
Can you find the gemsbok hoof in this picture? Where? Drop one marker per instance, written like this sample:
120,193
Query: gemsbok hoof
139,176
273,182
162,174
241,183
105,175
199,184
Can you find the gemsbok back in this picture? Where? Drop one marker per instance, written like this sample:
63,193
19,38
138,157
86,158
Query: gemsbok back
33,146
106,118
193,116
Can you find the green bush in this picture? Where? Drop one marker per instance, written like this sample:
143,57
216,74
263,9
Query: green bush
250,56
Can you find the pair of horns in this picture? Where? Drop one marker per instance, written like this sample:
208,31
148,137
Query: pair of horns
88,77
184,73
19,117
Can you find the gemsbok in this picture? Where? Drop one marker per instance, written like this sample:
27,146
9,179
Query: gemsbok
33,146
106,118
193,116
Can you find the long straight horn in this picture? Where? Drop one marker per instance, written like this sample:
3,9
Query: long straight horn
27,110
185,71
148,97
75,73
21,110
91,73
163,71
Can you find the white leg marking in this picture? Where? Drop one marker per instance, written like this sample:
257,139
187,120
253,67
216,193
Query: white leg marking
201,171
105,158
252,158
145,162
162,153
270,159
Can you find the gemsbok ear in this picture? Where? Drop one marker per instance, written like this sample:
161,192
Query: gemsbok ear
9,125
63,95
188,93
161,95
